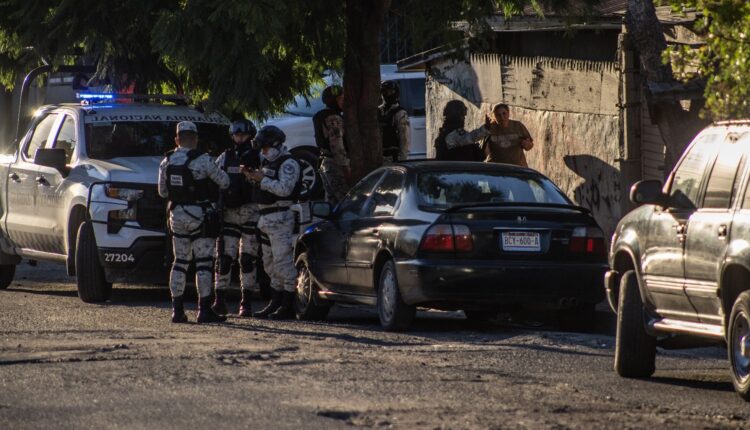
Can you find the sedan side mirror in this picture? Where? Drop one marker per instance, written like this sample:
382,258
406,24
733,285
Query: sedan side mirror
322,210
51,157
647,192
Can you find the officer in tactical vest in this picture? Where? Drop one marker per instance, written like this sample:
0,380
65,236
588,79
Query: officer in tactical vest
238,231
191,181
280,185
329,136
394,124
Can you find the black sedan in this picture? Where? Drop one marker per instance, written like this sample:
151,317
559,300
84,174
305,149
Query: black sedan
478,237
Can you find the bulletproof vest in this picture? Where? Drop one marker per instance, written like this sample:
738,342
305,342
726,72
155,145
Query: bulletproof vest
182,186
271,170
320,139
389,132
461,153
240,190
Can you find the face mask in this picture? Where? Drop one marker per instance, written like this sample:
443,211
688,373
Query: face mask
271,154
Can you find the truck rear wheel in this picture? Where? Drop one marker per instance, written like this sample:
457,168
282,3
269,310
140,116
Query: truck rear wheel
7,272
92,285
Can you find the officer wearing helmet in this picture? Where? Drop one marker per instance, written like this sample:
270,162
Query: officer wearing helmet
238,232
190,180
329,136
279,183
394,124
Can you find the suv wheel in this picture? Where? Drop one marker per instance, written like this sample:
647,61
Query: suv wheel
307,305
92,286
739,344
635,349
7,272
310,178
394,314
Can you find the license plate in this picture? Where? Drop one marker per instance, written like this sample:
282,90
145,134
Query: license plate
523,241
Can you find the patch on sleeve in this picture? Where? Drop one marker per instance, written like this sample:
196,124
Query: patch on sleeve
288,168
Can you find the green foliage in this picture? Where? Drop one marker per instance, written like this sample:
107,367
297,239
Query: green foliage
724,60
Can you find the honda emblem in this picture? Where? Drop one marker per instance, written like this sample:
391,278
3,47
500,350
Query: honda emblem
521,219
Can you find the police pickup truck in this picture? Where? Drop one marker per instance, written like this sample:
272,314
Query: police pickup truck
81,190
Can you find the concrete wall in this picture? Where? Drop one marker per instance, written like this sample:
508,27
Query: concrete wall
570,107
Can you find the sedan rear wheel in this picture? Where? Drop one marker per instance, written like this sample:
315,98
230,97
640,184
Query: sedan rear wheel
394,314
635,349
307,305
739,344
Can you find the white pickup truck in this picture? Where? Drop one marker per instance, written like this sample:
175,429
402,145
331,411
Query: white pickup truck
81,189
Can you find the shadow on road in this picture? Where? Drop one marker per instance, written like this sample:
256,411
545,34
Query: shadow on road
692,383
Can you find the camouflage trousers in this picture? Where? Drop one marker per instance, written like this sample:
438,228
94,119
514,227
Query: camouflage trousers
239,234
277,240
185,222
333,179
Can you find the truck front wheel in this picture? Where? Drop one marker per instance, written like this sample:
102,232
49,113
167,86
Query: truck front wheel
92,285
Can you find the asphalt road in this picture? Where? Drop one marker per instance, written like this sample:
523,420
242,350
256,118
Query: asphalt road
66,364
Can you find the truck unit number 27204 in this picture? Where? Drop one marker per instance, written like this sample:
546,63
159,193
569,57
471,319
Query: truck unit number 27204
112,257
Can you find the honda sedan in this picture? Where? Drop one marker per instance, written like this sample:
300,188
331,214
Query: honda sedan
478,237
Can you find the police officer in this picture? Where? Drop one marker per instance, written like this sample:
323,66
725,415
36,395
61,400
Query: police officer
240,218
190,180
329,136
280,184
394,124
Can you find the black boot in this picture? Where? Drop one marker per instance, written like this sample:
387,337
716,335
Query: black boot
245,308
178,310
286,310
220,304
206,314
274,304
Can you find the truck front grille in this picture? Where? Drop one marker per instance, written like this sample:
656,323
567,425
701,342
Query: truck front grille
152,210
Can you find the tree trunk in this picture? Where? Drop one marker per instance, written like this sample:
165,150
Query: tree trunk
677,126
364,19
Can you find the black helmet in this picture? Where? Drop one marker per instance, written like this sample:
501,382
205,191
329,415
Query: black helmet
243,126
329,96
269,135
389,89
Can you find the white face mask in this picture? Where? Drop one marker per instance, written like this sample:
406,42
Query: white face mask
271,154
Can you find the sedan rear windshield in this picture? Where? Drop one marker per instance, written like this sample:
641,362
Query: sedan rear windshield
441,190
105,140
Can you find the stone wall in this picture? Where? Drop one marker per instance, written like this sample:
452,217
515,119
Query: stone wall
570,108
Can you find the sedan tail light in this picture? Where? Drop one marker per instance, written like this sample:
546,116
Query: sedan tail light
447,238
588,240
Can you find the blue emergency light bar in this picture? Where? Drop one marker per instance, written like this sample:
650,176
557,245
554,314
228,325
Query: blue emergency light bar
95,96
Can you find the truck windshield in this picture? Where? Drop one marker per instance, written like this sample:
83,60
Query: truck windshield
441,190
143,139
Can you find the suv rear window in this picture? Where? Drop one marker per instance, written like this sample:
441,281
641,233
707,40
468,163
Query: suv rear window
106,140
441,190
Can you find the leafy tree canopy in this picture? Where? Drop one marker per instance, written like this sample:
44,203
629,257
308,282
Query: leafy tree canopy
724,61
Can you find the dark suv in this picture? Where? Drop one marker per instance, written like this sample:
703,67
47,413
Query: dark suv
680,263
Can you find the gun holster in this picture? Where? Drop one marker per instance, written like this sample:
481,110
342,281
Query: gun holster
211,226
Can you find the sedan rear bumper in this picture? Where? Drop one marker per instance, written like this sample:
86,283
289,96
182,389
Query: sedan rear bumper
456,283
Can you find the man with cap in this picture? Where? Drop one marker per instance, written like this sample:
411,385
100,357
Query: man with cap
280,184
394,124
190,180
329,136
240,218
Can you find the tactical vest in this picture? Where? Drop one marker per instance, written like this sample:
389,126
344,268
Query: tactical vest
271,170
182,186
389,132
240,190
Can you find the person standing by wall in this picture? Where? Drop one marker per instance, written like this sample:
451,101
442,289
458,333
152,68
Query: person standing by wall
394,124
454,143
190,180
508,139
329,136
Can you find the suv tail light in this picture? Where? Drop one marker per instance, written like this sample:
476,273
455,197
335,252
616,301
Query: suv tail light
589,240
447,238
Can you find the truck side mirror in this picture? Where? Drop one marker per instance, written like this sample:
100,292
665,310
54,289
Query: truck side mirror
51,157
647,192
322,210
